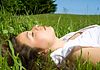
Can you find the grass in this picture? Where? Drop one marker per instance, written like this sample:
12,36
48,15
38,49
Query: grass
63,23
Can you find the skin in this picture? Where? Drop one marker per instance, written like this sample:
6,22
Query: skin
91,54
44,38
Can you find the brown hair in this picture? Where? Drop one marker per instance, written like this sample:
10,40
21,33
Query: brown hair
27,54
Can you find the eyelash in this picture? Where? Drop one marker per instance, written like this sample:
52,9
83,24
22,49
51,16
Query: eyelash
32,34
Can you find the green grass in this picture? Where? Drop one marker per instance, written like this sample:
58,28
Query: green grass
63,23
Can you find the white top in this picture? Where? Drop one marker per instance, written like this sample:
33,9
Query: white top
89,37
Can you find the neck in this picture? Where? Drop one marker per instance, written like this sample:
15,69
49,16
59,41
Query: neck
57,44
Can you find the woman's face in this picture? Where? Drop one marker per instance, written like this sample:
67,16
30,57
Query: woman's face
39,37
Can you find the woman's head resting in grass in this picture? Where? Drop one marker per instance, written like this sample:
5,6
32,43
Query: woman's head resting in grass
39,40
40,37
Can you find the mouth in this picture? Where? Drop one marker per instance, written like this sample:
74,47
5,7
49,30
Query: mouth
42,27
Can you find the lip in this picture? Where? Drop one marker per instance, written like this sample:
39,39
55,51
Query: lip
37,28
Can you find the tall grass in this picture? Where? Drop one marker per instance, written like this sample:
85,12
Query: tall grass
63,23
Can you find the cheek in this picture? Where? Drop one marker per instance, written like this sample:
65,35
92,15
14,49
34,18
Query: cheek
42,36
41,44
45,37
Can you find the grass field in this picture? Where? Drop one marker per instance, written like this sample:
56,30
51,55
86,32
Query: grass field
63,23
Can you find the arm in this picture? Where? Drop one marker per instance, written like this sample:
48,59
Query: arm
93,54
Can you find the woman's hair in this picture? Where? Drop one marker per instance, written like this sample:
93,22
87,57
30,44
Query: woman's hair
27,54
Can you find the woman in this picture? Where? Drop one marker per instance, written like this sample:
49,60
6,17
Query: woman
43,39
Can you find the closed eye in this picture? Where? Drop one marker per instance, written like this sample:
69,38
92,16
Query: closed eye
32,34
